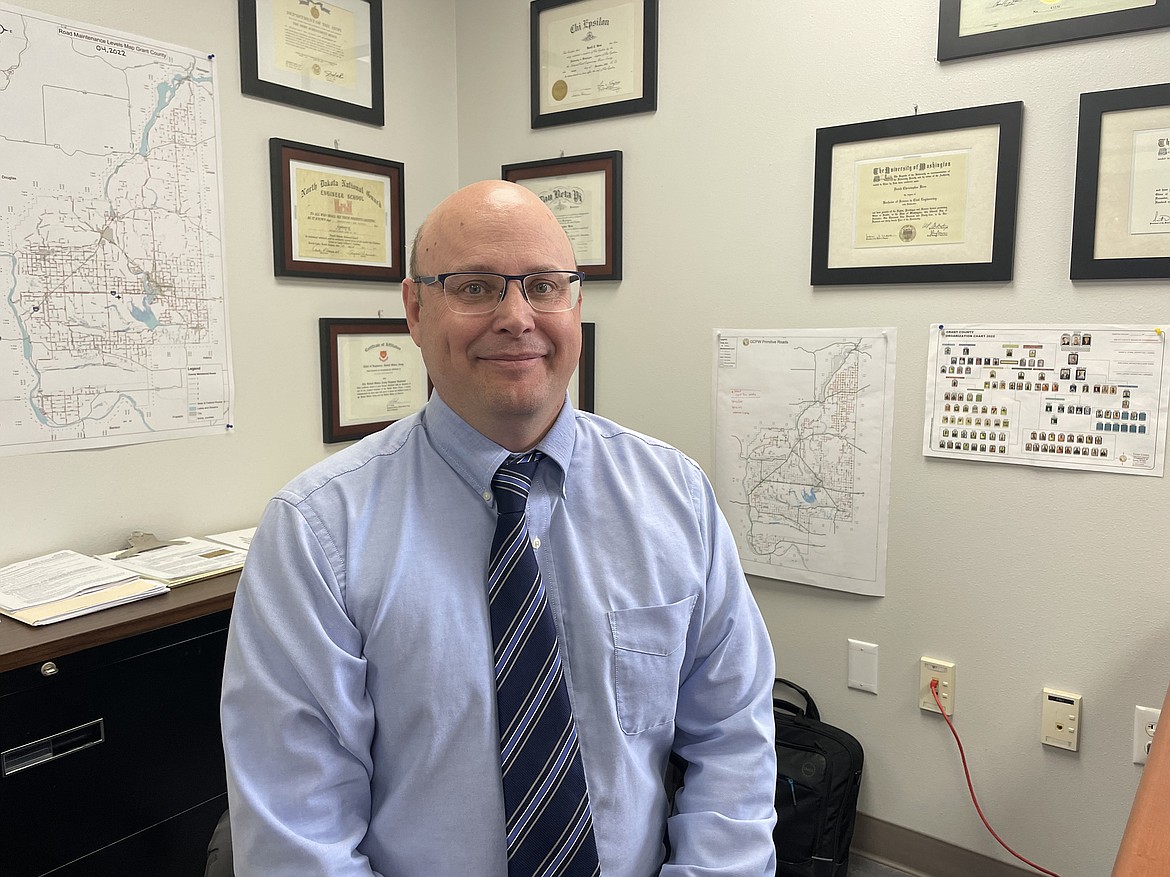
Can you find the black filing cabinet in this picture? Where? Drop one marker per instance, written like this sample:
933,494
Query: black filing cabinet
110,758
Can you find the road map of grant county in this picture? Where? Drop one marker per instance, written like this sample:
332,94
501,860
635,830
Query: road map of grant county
113,324
803,421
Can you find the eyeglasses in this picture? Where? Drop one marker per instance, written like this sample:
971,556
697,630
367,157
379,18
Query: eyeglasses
481,292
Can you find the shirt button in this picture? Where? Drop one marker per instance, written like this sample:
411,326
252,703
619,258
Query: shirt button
487,496
535,541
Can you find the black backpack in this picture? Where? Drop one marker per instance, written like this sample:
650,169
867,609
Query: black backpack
818,776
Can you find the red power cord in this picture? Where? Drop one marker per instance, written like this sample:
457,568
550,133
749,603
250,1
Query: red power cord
971,789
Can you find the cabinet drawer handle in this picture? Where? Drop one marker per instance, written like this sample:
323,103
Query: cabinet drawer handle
51,748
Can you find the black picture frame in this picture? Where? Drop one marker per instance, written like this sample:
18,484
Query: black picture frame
315,97
998,232
1091,206
592,105
585,379
380,199
564,184
374,336
952,46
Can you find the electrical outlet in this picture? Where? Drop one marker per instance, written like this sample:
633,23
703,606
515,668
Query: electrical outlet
1145,722
930,669
1060,721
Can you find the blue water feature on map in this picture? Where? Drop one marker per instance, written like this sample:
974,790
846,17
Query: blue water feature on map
809,496
144,314
166,93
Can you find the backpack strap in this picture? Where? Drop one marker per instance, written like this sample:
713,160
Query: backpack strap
810,705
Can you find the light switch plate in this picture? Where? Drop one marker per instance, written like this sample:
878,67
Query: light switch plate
863,665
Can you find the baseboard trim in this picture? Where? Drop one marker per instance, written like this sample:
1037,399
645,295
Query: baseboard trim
922,854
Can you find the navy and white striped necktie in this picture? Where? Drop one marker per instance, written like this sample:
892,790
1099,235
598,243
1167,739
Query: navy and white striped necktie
549,823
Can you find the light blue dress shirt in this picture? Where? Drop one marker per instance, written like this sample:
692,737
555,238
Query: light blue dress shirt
359,695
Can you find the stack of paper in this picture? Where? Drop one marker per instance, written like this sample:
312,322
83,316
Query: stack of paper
67,584
188,560
235,538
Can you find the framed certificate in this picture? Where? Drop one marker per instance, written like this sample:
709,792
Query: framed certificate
372,374
322,55
592,59
1121,210
918,199
336,215
584,192
980,27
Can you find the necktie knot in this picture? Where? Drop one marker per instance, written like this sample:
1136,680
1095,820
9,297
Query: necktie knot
512,481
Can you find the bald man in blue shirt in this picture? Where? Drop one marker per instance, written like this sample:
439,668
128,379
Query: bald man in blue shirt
359,702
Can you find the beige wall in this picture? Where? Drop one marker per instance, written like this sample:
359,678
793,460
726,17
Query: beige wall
1065,589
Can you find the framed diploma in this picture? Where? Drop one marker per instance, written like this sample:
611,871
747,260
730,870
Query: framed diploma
336,215
322,55
592,59
980,27
918,199
584,192
372,374
1121,210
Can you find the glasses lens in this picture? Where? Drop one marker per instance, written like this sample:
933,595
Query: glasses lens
473,293
552,290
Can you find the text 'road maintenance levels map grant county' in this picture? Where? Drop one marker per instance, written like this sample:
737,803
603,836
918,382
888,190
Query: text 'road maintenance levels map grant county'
113,320
803,428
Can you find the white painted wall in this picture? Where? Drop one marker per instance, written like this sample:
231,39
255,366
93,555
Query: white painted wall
91,500
1024,578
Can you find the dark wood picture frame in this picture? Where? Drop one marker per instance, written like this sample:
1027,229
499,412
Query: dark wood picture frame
331,329
529,173
287,260
951,45
1084,264
252,83
585,378
1006,117
646,103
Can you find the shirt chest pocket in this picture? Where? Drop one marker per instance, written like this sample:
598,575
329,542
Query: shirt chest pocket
648,653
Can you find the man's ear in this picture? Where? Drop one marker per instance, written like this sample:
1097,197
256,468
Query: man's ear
411,304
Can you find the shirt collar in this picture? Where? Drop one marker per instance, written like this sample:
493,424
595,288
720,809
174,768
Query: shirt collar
476,457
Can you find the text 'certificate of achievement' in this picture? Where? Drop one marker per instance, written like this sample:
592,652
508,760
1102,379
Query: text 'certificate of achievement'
379,379
911,200
578,203
591,55
1071,396
982,16
1150,197
339,217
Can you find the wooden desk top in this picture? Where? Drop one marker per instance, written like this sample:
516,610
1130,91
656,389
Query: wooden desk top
21,644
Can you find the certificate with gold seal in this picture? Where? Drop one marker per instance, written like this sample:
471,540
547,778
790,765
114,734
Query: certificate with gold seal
592,59
324,55
336,214
918,199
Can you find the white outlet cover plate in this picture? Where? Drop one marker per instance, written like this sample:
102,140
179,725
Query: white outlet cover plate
1143,717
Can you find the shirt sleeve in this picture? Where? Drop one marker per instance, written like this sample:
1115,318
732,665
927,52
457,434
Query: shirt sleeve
724,726
297,721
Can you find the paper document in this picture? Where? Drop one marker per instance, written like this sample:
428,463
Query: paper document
235,538
54,577
91,601
191,559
